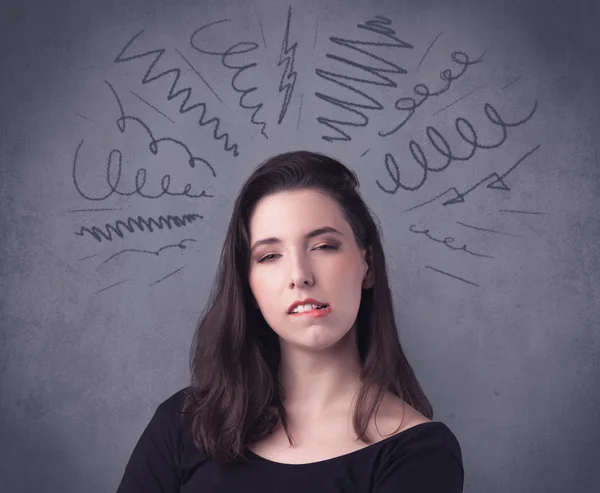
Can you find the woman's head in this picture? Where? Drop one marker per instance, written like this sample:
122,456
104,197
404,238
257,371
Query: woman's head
306,240
303,248
299,229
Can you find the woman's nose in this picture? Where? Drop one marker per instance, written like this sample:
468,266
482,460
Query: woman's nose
301,274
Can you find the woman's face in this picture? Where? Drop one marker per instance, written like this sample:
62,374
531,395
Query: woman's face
302,247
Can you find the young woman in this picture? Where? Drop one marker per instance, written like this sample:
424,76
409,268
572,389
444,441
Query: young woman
299,381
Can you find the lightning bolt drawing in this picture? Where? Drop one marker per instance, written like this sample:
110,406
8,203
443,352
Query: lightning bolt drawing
288,78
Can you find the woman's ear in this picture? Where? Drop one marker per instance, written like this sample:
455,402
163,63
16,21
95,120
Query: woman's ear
369,275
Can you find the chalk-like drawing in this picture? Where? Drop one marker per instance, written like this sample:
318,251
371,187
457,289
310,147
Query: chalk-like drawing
112,286
487,230
288,78
453,276
365,103
132,224
467,133
236,49
167,276
114,164
150,105
427,51
180,245
175,91
409,105
448,241
512,82
514,211
494,181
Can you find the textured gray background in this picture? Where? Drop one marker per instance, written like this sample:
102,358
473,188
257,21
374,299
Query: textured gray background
507,349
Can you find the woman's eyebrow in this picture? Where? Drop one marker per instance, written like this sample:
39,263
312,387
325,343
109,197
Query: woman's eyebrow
316,232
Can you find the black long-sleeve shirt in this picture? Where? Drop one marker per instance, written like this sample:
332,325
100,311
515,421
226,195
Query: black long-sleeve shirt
423,459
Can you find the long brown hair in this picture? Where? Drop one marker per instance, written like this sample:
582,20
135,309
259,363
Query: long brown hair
235,397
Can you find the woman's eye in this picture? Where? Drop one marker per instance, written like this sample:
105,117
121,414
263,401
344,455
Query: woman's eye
326,247
267,257
271,256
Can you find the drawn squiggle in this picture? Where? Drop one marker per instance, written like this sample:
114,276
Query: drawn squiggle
180,245
468,134
287,56
379,26
141,224
236,49
153,145
494,182
447,242
115,160
410,105
174,92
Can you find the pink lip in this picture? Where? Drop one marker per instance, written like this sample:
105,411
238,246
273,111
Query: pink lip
316,313
312,301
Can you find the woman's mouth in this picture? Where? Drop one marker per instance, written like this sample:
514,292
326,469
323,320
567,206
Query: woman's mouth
313,312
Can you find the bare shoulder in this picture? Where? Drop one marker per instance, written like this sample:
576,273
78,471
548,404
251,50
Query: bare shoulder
396,415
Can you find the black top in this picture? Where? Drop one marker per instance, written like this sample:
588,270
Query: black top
423,459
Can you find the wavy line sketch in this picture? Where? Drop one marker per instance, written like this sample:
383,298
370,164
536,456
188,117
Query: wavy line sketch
467,133
175,91
236,49
114,164
180,245
448,241
131,224
359,107
289,76
498,183
153,145
409,105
